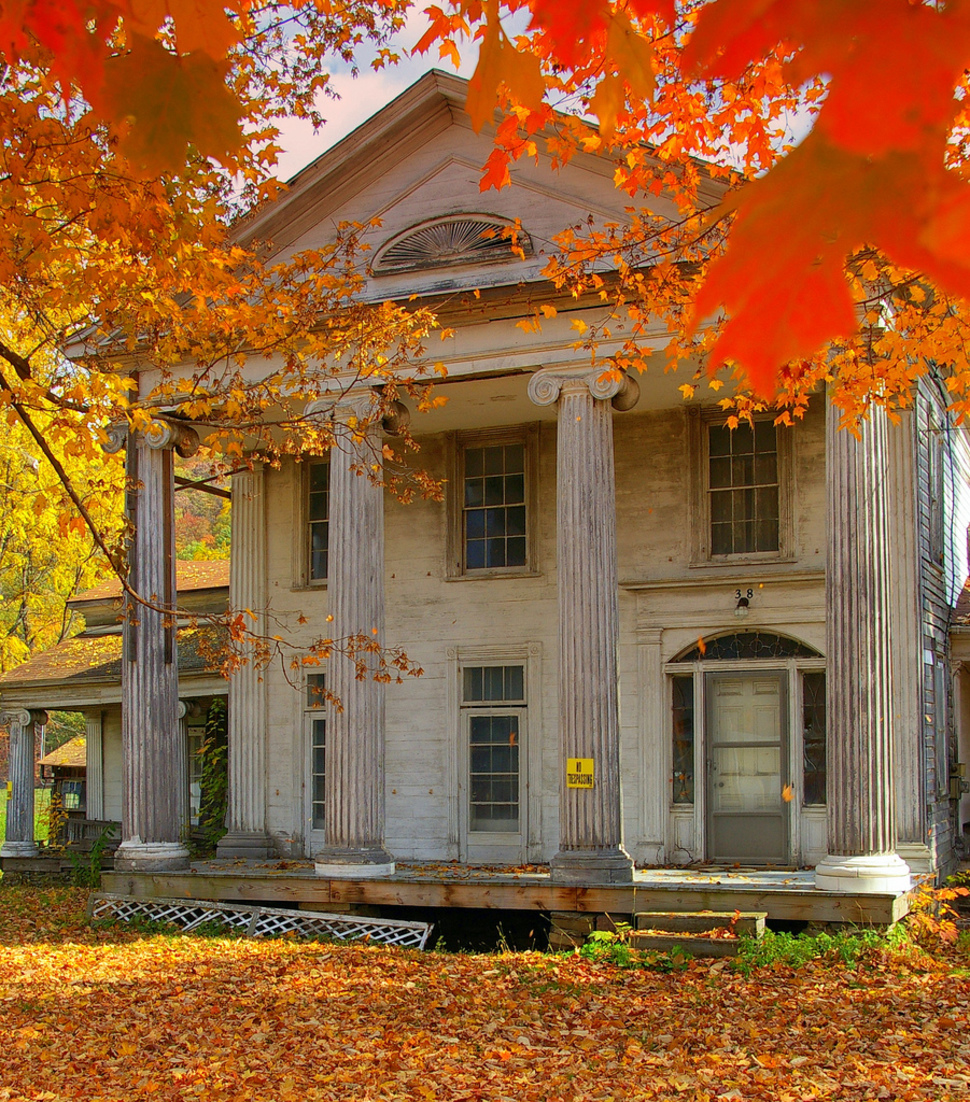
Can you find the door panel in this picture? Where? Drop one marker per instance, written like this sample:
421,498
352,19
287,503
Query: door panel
493,788
747,818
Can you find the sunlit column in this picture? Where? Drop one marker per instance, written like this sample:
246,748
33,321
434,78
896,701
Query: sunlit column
590,818
861,814
153,814
246,817
19,840
354,810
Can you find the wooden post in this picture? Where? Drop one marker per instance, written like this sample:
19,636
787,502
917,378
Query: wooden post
590,816
153,816
19,841
858,596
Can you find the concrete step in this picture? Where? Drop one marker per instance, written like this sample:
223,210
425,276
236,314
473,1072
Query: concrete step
696,934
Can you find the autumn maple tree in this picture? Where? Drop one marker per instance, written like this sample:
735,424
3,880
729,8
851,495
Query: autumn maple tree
845,255
133,138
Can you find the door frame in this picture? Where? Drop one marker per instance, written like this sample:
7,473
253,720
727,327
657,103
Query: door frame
783,678
685,829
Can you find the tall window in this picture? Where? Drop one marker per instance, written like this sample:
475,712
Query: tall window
318,748
743,488
494,506
813,737
683,732
318,520
494,745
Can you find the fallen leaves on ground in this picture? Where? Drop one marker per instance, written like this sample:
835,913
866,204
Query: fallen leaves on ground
113,1014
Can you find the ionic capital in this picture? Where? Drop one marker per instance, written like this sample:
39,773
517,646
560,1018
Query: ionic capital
19,717
163,433
361,404
158,434
547,384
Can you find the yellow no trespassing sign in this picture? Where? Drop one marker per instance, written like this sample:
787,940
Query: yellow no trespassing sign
579,772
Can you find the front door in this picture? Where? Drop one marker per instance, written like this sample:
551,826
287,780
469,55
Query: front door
493,789
747,756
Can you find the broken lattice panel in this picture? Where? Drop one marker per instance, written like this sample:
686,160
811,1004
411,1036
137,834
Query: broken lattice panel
255,921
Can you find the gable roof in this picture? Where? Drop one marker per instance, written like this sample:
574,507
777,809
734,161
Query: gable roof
73,754
189,576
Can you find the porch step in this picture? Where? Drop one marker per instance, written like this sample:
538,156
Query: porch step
697,933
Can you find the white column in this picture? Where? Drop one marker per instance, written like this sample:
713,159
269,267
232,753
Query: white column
94,761
153,813
246,817
354,813
19,841
859,684
590,819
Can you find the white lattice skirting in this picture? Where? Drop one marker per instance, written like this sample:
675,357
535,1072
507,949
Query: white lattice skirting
188,914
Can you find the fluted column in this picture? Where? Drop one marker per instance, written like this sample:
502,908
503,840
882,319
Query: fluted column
858,595
153,809
354,809
19,840
246,817
590,818
94,759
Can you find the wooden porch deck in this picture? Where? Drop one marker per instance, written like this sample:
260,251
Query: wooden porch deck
784,895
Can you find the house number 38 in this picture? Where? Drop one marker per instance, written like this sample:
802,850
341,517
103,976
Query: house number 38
746,593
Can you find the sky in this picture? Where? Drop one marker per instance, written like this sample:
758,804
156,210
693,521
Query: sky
361,97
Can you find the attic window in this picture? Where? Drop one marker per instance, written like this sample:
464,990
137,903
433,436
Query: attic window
449,242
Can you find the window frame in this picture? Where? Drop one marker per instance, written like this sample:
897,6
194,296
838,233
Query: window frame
306,544
316,836
456,568
700,421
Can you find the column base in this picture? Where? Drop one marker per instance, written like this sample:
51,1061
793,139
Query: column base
353,864
136,856
592,866
876,873
253,845
19,849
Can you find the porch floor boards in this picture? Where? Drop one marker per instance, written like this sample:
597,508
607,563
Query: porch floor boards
788,895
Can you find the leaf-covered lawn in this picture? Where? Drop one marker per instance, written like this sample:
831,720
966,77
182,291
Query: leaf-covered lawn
114,1014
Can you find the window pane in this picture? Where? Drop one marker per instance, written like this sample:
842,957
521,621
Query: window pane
494,771
683,738
493,684
743,489
318,514
494,507
315,683
318,777
813,737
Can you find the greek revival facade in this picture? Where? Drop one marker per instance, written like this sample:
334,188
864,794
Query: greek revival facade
646,639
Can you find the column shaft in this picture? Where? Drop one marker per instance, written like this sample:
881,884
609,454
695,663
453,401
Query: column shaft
246,818
354,811
861,813
19,841
153,794
590,819
94,758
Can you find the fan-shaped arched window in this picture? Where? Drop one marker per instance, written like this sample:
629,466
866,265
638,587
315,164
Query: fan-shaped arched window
452,241
747,644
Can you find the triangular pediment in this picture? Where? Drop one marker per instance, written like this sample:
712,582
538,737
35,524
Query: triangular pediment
412,174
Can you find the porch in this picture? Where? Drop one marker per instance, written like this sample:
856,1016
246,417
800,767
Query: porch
783,894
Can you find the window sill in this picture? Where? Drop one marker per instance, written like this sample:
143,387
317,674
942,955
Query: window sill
763,558
491,575
310,587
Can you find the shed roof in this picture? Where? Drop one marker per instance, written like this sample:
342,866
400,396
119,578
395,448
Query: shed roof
189,576
73,754
91,658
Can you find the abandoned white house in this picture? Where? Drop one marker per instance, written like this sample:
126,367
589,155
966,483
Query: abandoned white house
645,638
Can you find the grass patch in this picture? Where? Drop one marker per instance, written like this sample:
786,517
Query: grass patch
42,802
